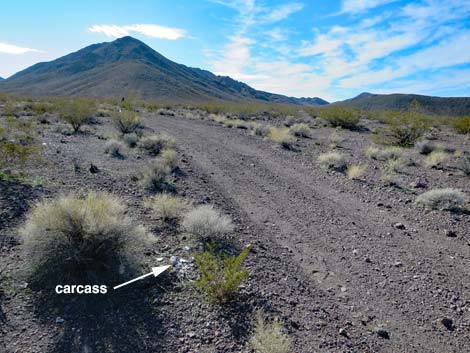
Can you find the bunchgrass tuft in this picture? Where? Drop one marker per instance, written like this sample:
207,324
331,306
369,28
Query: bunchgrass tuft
442,199
204,221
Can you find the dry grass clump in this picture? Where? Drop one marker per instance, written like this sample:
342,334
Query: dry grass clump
282,136
77,111
126,121
205,221
218,118
332,160
74,239
260,129
341,117
301,130
442,199
167,207
334,139
221,277
154,144
436,159
236,123
395,165
355,171
464,164
114,148
384,154
131,139
269,338
169,157
155,177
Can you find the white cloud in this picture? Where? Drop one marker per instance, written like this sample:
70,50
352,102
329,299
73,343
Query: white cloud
16,50
149,30
357,6
282,12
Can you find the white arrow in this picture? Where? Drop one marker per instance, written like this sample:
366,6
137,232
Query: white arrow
155,271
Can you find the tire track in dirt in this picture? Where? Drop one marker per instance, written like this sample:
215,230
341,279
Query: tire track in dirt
323,228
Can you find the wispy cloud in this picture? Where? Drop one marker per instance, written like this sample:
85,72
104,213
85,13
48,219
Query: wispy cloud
357,6
283,11
149,30
16,50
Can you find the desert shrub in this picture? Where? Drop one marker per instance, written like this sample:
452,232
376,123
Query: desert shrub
332,160
114,148
154,144
384,154
441,199
389,179
167,207
236,123
269,338
80,240
281,136
355,171
260,129
206,222
334,139
221,276
126,121
169,158
289,121
42,107
425,147
394,166
341,117
403,129
301,129
436,159
131,139
464,165
462,125
218,118
77,112
155,177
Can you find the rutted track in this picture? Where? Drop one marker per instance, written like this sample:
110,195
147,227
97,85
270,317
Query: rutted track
374,274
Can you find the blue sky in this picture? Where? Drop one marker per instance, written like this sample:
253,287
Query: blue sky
332,49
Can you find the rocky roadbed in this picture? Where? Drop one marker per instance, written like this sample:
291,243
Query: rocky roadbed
347,265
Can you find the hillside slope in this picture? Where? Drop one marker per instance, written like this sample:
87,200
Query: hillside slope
428,104
126,64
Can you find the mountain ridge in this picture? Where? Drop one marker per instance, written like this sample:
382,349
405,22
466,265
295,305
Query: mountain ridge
127,64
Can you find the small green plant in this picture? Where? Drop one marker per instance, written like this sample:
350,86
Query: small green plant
206,222
282,136
442,199
341,117
221,276
126,121
436,159
301,130
462,125
269,338
167,207
154,144
74,239
355,171
77,112
332,160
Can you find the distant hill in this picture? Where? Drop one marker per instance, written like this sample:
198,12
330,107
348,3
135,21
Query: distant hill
428,104
127,64
1,78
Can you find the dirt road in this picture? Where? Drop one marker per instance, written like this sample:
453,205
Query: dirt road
389,281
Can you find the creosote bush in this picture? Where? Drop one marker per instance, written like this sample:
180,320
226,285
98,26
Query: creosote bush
442,199
154,144
126,121
167,207
77,111
281,136
332,160
301,130
269,338
114,148
221,276
462,125
74,239
341,117
204,221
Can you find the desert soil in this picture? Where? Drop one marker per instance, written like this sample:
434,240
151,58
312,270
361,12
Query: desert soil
347,265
